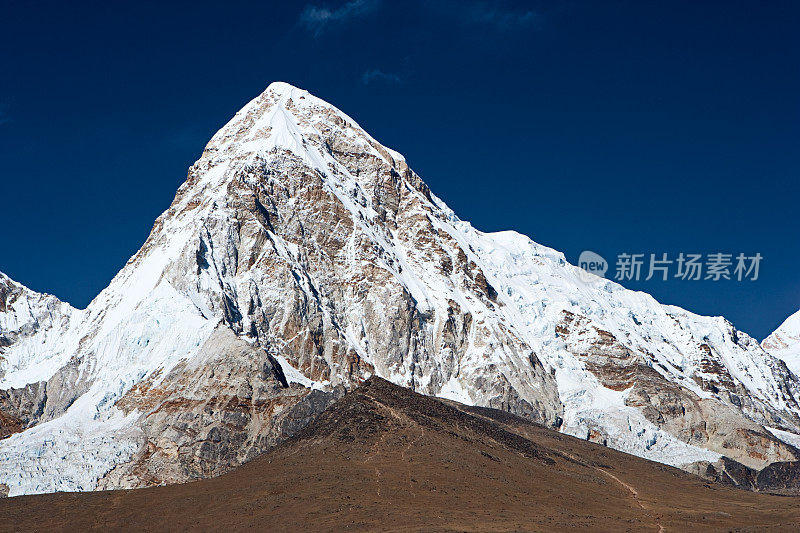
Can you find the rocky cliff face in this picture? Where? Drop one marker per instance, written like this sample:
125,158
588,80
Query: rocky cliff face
300,257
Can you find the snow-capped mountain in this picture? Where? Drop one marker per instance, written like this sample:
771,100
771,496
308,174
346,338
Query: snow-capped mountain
301,256
31,325
784,343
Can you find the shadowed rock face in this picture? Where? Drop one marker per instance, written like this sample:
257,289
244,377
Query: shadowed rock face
782,477
301,257
21,408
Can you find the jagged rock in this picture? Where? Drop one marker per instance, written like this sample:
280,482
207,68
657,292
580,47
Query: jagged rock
21,408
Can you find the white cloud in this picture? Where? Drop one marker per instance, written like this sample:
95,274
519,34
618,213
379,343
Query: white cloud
378,75
495,14
316,19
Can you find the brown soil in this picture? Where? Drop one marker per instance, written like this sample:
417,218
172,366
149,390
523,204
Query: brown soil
386,459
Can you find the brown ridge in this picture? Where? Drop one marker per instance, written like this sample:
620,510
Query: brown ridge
386,459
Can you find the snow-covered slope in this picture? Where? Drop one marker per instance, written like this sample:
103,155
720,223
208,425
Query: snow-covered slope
31,327
784,343
301,256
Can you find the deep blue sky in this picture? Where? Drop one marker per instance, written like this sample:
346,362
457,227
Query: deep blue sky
643,127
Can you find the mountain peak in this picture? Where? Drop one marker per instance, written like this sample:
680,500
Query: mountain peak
784,342
283,117
299,255
30,323
282,87
286,120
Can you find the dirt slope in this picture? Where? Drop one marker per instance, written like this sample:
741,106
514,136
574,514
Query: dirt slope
385,458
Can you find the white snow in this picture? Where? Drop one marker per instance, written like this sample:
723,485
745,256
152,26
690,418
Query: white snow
293,375
67,454
454,390
784,343
792,439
